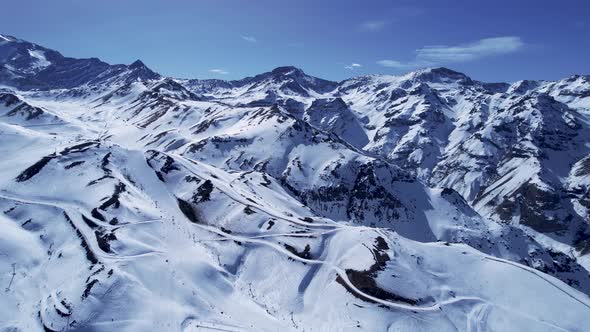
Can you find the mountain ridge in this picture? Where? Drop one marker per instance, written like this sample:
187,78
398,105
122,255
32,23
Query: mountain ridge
281,69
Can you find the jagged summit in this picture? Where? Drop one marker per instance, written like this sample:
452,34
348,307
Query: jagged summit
442,71
137,64
139,71
440,75
6,38
284,72
286,69
29,66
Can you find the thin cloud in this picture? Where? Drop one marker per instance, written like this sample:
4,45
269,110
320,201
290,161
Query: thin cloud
433,55
250,39
476,50
404,65
218,71
373,25
393,15
395,64
353,66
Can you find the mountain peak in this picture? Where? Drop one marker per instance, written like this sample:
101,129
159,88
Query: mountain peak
138,70
287,70
439,74
7,38
442,71
137,64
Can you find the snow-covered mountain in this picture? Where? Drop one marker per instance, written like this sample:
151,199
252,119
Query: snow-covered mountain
428,201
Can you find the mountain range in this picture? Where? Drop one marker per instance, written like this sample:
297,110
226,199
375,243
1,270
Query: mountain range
428,201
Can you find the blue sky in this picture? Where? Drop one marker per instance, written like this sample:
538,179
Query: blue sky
333,39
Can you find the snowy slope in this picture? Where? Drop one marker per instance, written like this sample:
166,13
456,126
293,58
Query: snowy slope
427,201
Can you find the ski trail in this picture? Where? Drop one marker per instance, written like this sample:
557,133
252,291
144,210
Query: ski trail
239,198
532,271
264,236
74,213
60,204
338,270
476,318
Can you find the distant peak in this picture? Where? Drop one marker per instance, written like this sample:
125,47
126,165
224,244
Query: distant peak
577,77
6,38
138,70
138,64
443,71
286,70
523,86
441,74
